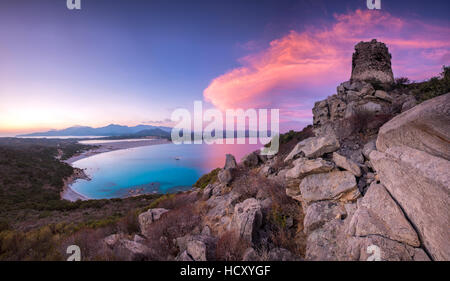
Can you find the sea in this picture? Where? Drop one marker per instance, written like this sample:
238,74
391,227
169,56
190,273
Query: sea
161,169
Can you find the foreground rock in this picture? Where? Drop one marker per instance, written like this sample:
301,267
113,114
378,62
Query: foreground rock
303,167
420,183
378,214
247,218
315,147
147,218
196,247
337,185
425,127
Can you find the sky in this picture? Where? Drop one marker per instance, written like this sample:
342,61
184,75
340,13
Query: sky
134,62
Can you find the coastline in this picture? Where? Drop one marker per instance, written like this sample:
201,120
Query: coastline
71,195
68,193
112,146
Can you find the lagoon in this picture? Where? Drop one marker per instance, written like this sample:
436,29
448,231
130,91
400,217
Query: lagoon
163,168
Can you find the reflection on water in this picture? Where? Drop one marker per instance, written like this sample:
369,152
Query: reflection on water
153,169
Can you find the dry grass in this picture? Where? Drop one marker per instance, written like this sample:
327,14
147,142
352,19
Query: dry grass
173,224
230,247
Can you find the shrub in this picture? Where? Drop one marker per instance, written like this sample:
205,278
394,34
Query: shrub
402,81
433,87
129,223
173,224
283,208
230,247
206,179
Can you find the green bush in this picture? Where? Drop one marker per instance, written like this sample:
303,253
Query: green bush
206,179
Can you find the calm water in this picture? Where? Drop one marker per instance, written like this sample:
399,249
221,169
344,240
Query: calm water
152,169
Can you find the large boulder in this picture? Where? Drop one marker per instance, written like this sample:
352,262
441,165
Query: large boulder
147,218
372,61
132,251
197,250
296,150
196,247
303,167
247,218
319,213
329,186
315,147
378,248
378,214
425,127
420,184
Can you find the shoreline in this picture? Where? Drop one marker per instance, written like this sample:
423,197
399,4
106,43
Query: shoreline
71,195
113,146
68,193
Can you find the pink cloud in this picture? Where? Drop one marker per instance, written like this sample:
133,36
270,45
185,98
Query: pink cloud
302,67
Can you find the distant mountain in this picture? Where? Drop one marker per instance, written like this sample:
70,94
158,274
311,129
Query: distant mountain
156,132
110,130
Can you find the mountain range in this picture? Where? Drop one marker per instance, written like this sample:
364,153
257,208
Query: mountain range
110,130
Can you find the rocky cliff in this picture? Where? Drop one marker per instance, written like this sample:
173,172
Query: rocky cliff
369,181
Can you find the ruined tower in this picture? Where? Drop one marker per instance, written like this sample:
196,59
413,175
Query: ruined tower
371,61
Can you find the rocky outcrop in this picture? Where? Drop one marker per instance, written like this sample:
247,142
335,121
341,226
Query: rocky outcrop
247,218
230,162
425,127
372,61
147,218
420,183
226,175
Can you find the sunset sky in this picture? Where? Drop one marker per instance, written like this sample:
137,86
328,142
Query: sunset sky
134,62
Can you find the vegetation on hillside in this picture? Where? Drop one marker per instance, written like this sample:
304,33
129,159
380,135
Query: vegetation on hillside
206,179
34,221
433,87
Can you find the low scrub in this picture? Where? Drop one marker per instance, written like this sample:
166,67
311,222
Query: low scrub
206,179
230,247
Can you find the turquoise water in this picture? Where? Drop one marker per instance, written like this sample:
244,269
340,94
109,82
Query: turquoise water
152,169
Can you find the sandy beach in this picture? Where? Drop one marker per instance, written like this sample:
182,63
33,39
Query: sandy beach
111,146
102,147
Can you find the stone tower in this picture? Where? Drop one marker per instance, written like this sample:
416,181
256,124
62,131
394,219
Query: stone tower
372,62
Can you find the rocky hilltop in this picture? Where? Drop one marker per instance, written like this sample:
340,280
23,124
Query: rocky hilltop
368,181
